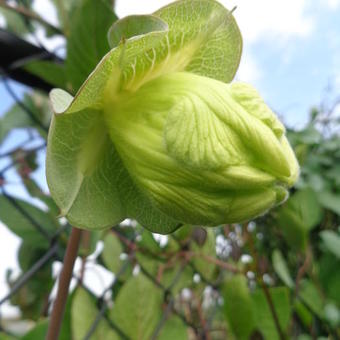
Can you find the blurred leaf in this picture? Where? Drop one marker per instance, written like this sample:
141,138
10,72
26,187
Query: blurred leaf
137,308
331,241
38,332
208,248
177,277
334,174
330,201
281,268
84,313
65,10
17,117
28,254
303,313
183,233
329,276
309,135
332,314
53,73
87,42
300,214
310,295
32,298
148,242
23,226
15,22
174,329
238,306
35,191
111,255
4,336
263,316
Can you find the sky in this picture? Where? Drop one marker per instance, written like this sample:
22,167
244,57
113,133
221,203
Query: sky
291,55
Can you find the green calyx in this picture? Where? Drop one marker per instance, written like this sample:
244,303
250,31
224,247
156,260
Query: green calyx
158,134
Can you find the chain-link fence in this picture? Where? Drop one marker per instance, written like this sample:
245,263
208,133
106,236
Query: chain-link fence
236,281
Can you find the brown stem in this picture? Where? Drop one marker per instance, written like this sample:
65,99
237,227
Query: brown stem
272,309
202,319
29,14
303,269
63,285
265,289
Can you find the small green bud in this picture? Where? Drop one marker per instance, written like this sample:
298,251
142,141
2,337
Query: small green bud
205,152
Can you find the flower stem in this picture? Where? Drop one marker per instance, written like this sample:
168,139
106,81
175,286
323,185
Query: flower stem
63,285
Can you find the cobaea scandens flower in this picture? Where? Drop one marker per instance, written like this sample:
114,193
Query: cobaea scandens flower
159,134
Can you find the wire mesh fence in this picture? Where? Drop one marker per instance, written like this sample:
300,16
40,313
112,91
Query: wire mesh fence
187,273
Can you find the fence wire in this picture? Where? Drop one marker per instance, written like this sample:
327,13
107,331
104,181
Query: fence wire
171,301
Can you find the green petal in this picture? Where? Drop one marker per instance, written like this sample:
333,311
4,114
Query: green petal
251,101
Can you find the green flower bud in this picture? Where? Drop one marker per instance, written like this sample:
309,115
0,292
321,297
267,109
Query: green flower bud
157,132
205,152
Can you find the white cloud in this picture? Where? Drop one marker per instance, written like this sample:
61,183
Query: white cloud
249,71
260,19
127,7
266,18
333,4
47,10
257,19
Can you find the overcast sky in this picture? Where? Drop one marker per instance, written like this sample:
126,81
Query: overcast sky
291,54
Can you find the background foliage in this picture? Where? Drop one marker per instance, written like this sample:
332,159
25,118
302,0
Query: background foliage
274,278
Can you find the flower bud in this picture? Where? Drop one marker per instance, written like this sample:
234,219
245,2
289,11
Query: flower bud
203,151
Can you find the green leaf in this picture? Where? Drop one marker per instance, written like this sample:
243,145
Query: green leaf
310,295
38,332
84,313
174,328
331,241
51,72
15,22
111,253
29,254
65,9
330,201
329,275
238,306
19,222
264,318
4,336
133,26
281,268
137,308
298,216
111,256
35,191
31,298
148,242
87,43
17,117
209,248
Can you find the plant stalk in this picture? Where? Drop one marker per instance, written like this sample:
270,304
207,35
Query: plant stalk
58,309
